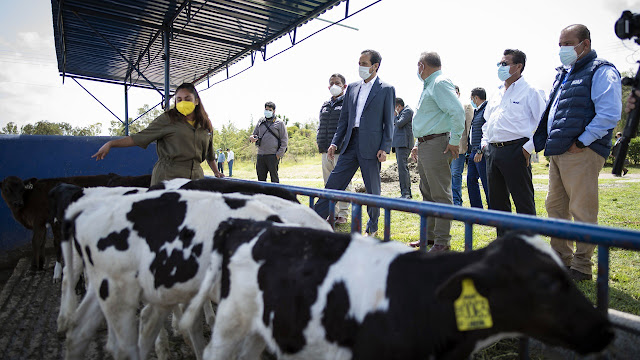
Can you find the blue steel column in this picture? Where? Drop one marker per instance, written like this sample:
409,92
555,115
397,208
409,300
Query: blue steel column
603,278
167,86
126,111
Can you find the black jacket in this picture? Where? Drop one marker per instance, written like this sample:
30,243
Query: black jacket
329,116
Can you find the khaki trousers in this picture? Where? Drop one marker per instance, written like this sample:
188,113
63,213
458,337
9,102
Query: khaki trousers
573,193
342,208
435,184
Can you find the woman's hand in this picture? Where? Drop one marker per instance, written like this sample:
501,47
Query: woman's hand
103,151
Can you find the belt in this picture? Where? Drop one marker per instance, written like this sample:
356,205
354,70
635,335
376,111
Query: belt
429,137
507,143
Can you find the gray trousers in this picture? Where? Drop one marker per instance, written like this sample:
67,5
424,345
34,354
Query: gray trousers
435,184
402,156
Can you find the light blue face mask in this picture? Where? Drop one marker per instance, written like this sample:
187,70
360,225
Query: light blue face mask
268,114
503,72
473,104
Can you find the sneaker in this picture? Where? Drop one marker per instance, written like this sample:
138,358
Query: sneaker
439,248
341,220
416,244
578,276
624,172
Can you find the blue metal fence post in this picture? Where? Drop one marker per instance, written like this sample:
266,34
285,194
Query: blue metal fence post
423,233
311,201
468,236
167,82
603,278
356,218
332,213
387,224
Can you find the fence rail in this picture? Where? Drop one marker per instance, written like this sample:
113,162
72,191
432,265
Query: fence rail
603,236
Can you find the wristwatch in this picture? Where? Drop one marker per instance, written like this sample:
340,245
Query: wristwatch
580,145
479,151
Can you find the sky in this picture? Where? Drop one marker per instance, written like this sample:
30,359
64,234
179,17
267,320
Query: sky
470,37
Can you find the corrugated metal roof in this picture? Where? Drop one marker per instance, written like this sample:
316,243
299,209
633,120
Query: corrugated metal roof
100,39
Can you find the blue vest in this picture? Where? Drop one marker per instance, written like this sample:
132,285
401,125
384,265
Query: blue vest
574,112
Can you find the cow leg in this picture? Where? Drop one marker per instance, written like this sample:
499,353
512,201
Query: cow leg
57,234
68,299
209,314
86,320
151,321
119,305
231,328
252,348
37,245
192,335
204,294
162,345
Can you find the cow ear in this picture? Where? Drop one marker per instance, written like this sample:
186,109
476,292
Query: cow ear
28,184
450,289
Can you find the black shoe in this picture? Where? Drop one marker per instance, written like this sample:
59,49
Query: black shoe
624,172
578,276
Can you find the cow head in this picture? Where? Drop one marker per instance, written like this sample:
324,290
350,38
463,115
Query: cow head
530,292
13,189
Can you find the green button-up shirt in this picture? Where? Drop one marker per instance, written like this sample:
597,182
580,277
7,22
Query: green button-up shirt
439,109
180,147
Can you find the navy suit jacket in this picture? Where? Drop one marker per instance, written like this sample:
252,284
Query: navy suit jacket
403,131
376,121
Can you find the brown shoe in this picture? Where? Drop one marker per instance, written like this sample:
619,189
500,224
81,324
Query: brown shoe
341,220
416,244
439,248
578,276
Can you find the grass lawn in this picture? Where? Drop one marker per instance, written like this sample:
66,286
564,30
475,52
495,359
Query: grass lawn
619,207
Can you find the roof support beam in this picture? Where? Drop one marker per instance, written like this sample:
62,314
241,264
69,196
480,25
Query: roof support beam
167,85
118,51
100,102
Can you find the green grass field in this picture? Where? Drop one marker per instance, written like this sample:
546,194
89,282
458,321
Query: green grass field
619,208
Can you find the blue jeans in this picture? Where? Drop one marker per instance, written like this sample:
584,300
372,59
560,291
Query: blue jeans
475,171
230,168
457,167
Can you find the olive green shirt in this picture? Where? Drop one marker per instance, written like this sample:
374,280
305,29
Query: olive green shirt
181,148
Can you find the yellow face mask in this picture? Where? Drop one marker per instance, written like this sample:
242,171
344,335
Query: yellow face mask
185,107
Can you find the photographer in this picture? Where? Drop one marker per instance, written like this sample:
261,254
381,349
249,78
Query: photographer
271,138
575,131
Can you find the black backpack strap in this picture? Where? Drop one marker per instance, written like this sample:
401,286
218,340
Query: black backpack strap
272,133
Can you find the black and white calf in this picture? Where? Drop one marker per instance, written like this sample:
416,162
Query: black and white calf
310,294
153,247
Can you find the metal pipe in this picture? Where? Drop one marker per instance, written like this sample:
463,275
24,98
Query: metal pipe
468,236
126,111
167,85
603,278
423,233
356,218
387,224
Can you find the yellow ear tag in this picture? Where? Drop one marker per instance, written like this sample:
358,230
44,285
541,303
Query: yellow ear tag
472,309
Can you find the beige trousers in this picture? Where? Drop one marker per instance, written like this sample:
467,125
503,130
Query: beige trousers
573,193
435,184
342,208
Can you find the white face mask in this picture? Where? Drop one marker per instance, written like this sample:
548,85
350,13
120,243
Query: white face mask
568,54
363,71
268,114
335,90
503,72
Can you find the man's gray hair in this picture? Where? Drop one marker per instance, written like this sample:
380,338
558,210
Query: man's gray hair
432,59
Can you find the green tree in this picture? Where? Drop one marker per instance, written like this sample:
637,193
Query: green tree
117,128
91,130
10,128
45,127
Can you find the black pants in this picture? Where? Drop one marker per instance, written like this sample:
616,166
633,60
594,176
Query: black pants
508,174
267,164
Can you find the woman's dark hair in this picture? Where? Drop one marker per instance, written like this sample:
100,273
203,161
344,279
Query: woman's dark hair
199,113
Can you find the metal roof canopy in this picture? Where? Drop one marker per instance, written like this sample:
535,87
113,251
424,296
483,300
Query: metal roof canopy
133,43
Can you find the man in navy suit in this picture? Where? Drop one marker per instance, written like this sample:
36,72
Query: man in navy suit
364,134
403,143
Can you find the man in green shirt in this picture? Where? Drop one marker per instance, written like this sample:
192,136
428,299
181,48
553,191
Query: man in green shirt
438,124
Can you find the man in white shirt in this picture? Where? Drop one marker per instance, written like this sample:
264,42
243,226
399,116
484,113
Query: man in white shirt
512,116
230,157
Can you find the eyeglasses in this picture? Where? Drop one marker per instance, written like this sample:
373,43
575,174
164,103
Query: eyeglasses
503,63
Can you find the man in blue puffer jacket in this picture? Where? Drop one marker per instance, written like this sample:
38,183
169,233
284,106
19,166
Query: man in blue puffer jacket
575,131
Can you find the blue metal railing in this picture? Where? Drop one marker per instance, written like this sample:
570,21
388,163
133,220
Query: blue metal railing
604,237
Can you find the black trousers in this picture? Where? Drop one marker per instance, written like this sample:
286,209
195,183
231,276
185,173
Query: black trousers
508,174
267,164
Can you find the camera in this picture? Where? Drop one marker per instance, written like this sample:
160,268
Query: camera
628,26
258,141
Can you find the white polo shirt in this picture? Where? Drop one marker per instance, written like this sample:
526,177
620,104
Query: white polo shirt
512,114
